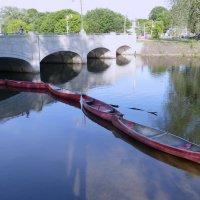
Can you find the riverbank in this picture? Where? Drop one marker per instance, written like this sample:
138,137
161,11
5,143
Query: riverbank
170,48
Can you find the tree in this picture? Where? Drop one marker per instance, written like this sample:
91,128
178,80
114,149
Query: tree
158,29
194,17
161,14
74,24
14,26
56,22
105,21
180,12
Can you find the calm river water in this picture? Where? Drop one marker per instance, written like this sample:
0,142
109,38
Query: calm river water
50,150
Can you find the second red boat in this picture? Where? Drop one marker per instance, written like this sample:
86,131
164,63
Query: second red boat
99,108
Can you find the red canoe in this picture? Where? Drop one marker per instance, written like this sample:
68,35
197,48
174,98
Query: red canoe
63,93
40,87
158,139
24,84
99,108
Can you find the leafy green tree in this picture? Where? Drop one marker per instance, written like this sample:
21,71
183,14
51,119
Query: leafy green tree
194,17
105,21
56,22
161,14
140,24
186,14
180,12
8,14
14,26
158,29
74,23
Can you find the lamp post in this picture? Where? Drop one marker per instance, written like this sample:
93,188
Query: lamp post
125,24
152,26
67,25
82,28
67,22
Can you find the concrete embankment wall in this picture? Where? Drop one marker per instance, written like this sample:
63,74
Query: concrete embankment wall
176,48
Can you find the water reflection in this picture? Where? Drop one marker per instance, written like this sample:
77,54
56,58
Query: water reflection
20,76
59,73
109,76
5,94
123,60
21,103
187,166
98,65
182,109
60,149
168,61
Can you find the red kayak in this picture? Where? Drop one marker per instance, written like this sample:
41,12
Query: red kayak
63,93
99,108
159,139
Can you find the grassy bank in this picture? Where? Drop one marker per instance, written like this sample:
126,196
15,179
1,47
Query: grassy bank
169,47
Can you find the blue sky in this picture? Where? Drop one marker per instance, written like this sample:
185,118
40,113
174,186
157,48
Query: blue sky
132,8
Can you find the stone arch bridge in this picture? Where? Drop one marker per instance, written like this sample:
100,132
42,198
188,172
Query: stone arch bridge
32,49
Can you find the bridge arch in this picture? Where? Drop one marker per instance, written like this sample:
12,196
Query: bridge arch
13,63
100,52
124,50
61,56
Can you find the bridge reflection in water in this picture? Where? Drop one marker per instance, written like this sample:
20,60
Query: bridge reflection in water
75,77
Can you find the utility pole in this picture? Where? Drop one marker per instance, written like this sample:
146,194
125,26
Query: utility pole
144,30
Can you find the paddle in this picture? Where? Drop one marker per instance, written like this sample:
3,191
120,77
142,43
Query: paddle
153,113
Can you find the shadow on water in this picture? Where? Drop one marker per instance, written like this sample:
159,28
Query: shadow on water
59,73
98,65
187,166
19,76
123,60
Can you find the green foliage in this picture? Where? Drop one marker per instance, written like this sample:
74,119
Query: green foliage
186,14
158,29
74,23
194,16
180,12
161,14
99,20
105,21
149,27
55,22
14,26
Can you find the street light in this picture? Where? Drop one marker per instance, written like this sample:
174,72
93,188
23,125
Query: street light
125,24
67,24
82,28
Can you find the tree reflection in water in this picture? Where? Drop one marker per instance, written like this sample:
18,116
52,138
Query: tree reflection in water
182,107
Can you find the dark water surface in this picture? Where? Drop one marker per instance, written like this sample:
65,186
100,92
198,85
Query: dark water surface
50,150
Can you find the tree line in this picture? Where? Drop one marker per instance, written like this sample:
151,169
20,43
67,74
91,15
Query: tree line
183,14
95,21
182,17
